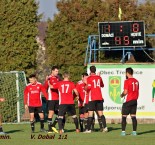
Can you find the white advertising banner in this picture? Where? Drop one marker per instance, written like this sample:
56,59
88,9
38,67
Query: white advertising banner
113,76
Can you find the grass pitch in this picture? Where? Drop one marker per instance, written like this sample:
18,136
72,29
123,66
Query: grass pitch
20,134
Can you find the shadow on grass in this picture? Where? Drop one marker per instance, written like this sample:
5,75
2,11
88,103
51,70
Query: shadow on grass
113,128
145,132
13,131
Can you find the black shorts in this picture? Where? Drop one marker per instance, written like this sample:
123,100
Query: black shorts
96,105
69,108
129,108
86,107
35,109
53,105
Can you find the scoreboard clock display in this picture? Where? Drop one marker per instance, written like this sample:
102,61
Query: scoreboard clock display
122,34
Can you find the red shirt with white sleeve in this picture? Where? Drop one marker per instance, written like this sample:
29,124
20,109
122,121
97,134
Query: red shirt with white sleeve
32,94
52,93
94,85
65,89
132,86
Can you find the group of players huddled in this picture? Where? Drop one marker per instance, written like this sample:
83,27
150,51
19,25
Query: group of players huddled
62,93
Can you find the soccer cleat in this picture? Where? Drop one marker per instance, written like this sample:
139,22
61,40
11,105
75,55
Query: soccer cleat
105,129
43,130
87,131
50,131
134,133
55,130
3,133
123,133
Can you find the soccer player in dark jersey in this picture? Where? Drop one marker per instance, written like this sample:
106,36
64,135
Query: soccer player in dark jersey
53,98
94,84
66,100
1,129
33,100
130,94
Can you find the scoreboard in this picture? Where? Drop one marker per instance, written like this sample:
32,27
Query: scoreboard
122,34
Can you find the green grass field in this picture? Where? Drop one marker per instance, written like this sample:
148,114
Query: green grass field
20,134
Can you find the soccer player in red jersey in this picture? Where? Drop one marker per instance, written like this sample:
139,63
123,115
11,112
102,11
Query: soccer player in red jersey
53,98
94,85
66,100
1,129
130,94
82,102
33,101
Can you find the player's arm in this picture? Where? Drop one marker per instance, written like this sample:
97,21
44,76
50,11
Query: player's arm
88,85
101,82
43,90
46,82
2,99
125,92
25,97
76,93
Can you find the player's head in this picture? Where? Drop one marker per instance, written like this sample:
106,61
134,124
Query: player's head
129,72
84,76
32,78
92,69
55,70
66,75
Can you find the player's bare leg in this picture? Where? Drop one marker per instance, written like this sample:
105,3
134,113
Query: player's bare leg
134,124
32,122
100,114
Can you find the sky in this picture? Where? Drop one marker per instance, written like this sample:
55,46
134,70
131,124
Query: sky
48,7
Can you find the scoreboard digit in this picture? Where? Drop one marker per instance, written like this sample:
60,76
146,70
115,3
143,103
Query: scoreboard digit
122,34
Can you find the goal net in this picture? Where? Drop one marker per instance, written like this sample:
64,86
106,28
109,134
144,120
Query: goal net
12,86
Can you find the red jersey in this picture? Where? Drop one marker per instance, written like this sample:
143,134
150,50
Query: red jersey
32,94
83,97
52,93
132,86
65,89
95,84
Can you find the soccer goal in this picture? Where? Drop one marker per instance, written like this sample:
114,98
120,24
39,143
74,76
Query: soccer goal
12,86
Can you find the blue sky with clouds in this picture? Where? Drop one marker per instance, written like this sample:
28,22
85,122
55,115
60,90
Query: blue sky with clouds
48,7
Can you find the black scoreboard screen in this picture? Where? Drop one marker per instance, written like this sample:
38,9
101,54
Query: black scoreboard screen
122,34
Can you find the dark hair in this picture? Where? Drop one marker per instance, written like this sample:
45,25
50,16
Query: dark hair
129,70
84,74
92,69
32,76
54,67
66,74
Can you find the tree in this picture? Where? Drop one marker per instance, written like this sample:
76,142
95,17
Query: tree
67,34
18,29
